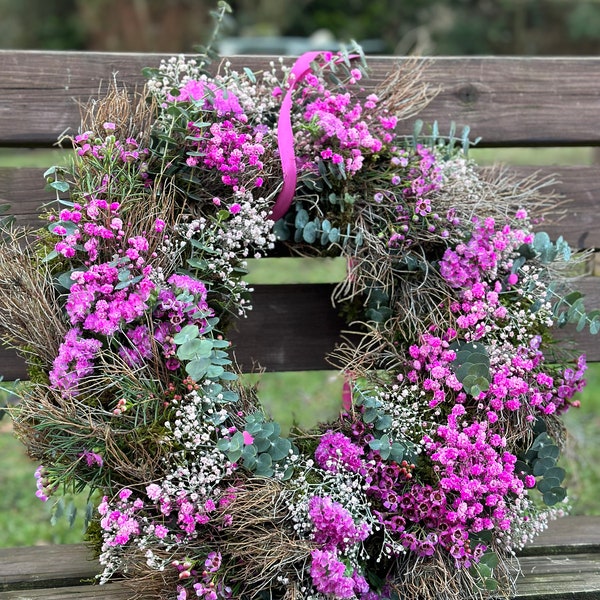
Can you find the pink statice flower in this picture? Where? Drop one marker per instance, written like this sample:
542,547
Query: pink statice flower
336,453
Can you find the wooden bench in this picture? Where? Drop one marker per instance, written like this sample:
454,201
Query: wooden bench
508,102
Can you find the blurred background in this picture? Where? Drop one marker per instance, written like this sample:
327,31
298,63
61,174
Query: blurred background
431,27
397,27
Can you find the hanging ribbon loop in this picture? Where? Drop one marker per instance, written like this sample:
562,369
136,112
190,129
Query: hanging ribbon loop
285,136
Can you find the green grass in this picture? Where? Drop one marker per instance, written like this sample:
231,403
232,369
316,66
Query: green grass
583,449
32,157
533,156
25,520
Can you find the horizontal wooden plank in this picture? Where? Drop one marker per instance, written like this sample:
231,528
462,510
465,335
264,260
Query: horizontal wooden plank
293,327
110,591
56,572
23,190
571,535
45,566
565,577
506,101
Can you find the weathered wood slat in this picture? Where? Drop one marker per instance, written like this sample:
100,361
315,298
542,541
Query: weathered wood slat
44,566
506,101
56,572
110,591
293,327
23,189
569,577
571,535
574,577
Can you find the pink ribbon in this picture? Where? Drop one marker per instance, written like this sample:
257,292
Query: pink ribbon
285,136
347,392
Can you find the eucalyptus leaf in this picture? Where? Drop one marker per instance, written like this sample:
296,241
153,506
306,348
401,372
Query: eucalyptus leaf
555,472
197,368
334,235
281,230
195,348
302,219
541,465
280,448
554,496
187,333
547,484
549,451
261,444
264,464
309,233
214,371
490,559
59,186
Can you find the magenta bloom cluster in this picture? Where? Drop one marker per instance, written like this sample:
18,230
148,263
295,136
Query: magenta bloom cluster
232,145
343,130
115,285
487,250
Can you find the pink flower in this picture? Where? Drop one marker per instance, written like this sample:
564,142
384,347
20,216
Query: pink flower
160,531
125,493
153,491
248,439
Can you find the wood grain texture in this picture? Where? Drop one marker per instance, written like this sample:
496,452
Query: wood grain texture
23,190
568,577
44,566
294,327
505,101
56,572
110,591
571,535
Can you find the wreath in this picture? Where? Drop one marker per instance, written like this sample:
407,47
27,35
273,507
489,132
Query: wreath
442,462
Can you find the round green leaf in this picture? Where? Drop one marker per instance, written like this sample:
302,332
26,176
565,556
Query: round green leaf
189,332
554,496
309,233
555,473
549,452
301,219
280,448
541,465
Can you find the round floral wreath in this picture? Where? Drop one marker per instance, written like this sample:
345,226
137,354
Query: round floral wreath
442,462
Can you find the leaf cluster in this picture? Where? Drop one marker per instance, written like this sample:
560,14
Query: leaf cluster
449,144
67,508
267,449
540,460
374,416
483,571
6,220
566,309
571,309
302,228
472,367
204,357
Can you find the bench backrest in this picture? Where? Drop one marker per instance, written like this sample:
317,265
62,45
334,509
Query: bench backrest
507,102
